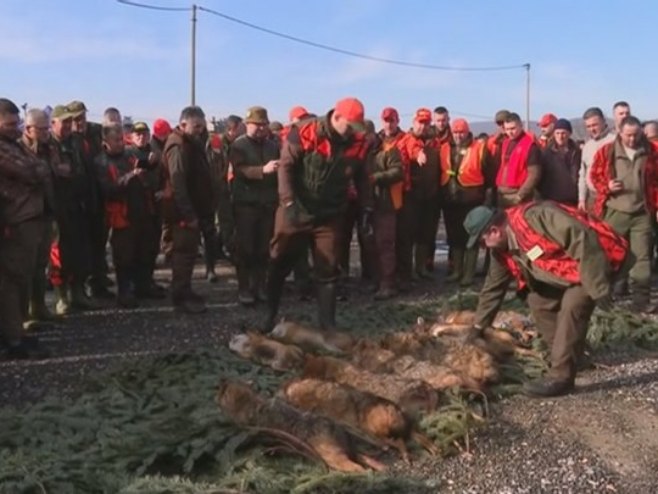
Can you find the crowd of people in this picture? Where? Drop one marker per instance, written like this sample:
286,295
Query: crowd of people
275,199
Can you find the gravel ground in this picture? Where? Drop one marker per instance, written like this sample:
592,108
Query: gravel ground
602,439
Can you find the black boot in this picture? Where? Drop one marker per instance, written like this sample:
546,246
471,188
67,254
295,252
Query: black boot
125,294
327,306
276,278
245,293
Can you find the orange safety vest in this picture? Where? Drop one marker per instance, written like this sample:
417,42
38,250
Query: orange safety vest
396,190
554,259
470,168
514,169
116,211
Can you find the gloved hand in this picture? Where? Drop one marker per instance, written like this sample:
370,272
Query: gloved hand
605,303
366,223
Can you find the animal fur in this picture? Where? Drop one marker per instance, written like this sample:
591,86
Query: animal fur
371,357
329,440
363,410
466,359
413,396
311,339
264,351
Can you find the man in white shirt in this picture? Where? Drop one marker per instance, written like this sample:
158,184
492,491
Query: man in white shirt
600,134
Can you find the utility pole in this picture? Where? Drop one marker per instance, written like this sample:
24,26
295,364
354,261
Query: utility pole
194,7
527,97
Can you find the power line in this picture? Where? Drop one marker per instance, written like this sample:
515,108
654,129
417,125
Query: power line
358,55
322,46
154,7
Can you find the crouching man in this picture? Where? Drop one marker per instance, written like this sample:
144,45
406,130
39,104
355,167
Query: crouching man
564,263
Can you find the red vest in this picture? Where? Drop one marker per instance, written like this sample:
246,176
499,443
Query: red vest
554,259
514,170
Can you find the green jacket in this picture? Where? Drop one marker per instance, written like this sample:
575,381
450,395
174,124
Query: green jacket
385,171
75,188
579,242
247,157
317,167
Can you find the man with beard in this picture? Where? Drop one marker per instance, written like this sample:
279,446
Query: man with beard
546,129
190,195
317,162
75,201
37,139
23,181
143,156
254,159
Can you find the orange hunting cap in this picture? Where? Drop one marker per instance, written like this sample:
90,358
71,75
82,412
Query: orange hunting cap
389,113
350,108
547,120
460,125
297,112
423,115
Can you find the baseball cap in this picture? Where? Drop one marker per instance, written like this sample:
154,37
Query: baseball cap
423,115
352,109
477,220
76,108
297,112
501,116
547,120
390,113
460,125
140,127
61,112
161,128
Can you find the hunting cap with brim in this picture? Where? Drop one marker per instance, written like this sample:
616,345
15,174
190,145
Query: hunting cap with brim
61,112
257,115
76,108
141,127
476,222
351,109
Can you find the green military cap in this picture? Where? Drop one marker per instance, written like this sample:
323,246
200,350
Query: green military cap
257,115
477,220
141,127
276,126
61,112
76,108
501,116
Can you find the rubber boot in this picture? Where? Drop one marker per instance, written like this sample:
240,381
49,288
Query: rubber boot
420,262
245,295
79,298
327,306
38,310
274,283
457,265
125,294
258,284
470,266
63,306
